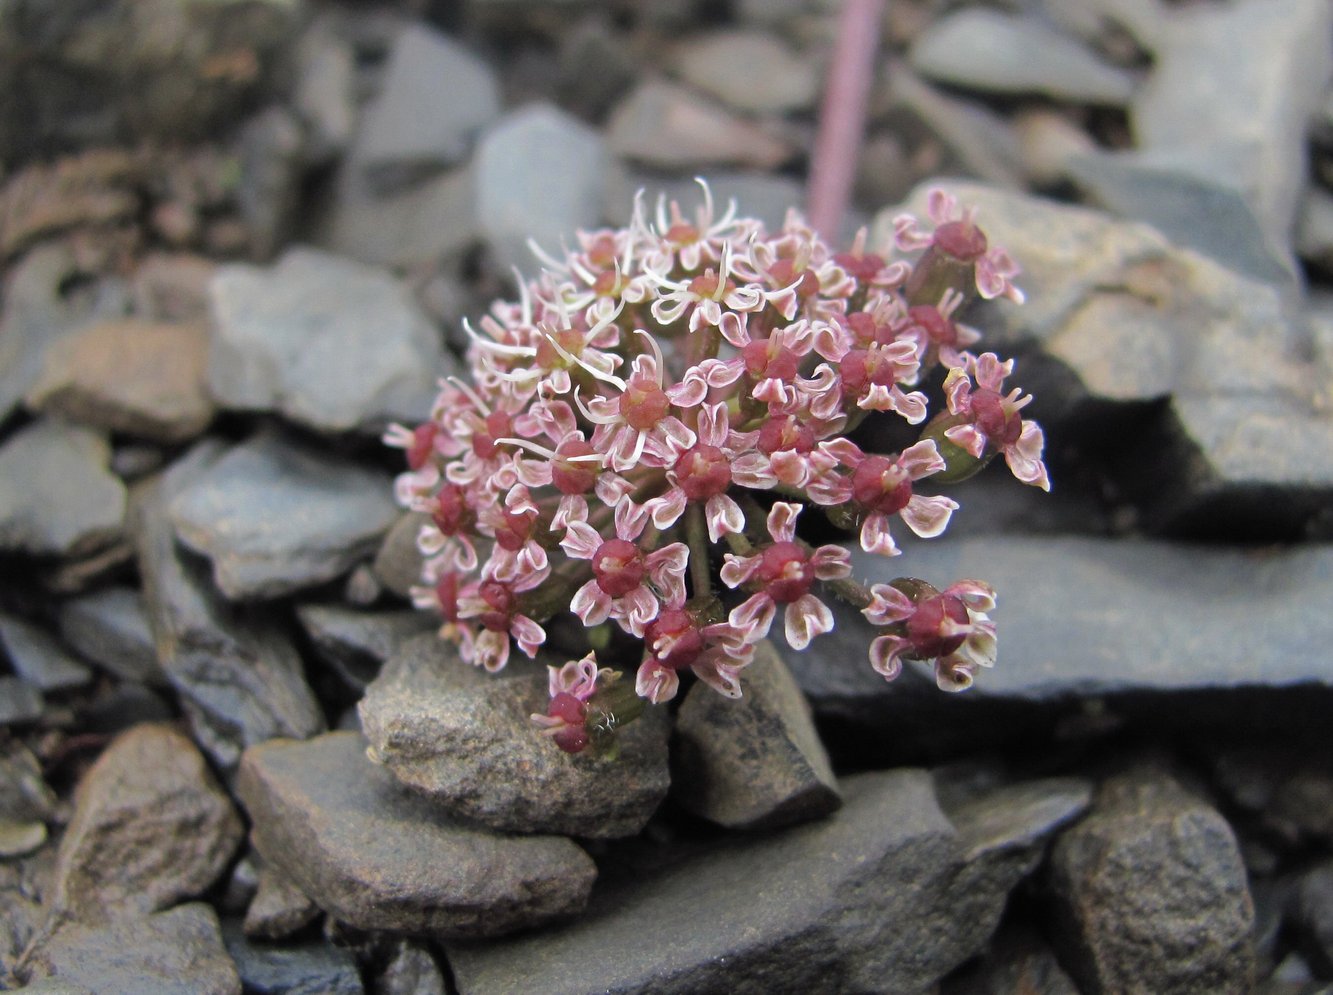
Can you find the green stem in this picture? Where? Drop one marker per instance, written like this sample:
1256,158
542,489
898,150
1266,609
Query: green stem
696,534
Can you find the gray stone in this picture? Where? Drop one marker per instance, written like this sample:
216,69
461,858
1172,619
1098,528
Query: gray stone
356,643
24,796
110,628
411,971
239,677
596,66
1313,916
1288,787
38,657
276,516
324,94
1018,963
271,150
750,71
150,828
665,126
1314,228
57,497
18,839
311,968
755,763
850,904
987,50
463,737
399,562
1048,140
1152,893
20,702
173,287
378,857
435,97
1098,21
279,908
326,342
177,952
1188,105
537,174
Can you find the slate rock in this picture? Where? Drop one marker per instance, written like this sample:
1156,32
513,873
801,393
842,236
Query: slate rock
1313,916
751,71
142,378
271,150
276,516
57,497
324,94
110,628
537,174
399,563
1200,76
20,702
988,50
310,968
279,908
435,97
38,657
1152,893
150,827
463,737
376,856
665,126
756,762
356,643
177,952
849,904
411,970
326,342
237,674
24,795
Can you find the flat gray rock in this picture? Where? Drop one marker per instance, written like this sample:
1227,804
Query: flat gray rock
1152,893
376,856
110,628
398,563
57,497
275,516
313,967
239,678
463,737
537,174
24,796
151,827
356,643
327,342
20,701
279,908
435,97
756,762
849,904
983,49
38,657
752,71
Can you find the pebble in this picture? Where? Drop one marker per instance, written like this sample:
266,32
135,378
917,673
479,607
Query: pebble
1313,916
18,839
150,828
750,71
329,343
399,562
462,737
756,762
24,795
38,658
144,379
411,971
377,856
1151,892
982,49
20,702
110,627
276,516
537,175
271,150
279,908
325,90
57,497
310,968
356,643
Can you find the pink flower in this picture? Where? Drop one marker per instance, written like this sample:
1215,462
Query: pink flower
702,474
950,627
676,640
784,572
993,418
493,608
956,235
882,486
571,686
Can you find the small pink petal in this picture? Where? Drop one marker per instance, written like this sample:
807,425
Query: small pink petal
928,516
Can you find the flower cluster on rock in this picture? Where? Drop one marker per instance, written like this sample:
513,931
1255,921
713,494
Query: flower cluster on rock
676,385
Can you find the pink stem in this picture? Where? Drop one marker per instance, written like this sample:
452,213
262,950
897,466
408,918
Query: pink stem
842,114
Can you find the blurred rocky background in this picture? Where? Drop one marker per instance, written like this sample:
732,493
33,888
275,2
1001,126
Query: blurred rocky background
238,236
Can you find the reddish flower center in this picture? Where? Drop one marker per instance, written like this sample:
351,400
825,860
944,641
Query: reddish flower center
498,425
515,530
867,330
780,434
682,233
783,273
880,484
548,356
1001,425
861,268
784,572
941,330
675,631
446,593
423,444
707,286
572,739
501,602
565,707
862,368
702,472
618,566
452,513
602,252
768,359
931,628
644,403
961,239
569,477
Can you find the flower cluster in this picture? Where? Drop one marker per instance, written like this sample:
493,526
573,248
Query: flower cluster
678,385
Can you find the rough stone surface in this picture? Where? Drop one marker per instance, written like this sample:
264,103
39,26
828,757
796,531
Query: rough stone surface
110,628
750,71
150,827
276,516
988,50
356,643
1152,893
411,971
327,342
142,378
24,795
537,174
19,701
755,763
1018,963
665,126
462,736
310,968
399,562
38,657
239,677
279,908
177,952
377,857
57,497
849,904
